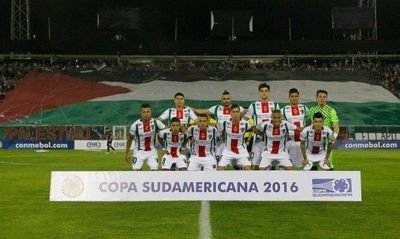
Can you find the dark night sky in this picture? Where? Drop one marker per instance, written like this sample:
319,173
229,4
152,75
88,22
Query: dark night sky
311,19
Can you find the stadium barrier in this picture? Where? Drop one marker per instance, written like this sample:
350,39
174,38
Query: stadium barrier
206,185
370,132
93,137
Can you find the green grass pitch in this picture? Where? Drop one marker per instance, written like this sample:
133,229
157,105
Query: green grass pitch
25,210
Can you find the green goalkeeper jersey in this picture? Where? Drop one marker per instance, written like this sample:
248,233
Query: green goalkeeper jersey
327,111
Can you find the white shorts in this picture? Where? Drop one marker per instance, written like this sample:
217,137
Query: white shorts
316,158
140,156
241,159
256,151
282,158
295,154
168,160
208,163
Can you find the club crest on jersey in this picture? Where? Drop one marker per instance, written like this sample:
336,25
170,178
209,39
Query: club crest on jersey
146,127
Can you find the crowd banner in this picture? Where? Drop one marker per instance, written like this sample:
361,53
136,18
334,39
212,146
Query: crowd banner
99,144
367,144
53,133
206,185
42,144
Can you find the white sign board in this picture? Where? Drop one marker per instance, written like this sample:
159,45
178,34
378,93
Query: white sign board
206,185
99,144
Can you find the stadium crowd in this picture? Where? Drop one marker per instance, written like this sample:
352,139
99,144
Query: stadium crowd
9,74
387,74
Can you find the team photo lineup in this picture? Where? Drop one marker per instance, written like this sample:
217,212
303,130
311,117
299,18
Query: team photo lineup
200,119
263,136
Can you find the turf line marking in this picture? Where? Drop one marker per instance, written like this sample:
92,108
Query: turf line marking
204,221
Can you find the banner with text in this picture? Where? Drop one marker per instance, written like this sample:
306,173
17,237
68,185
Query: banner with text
30,144
53,133
206,185
367,144
99,144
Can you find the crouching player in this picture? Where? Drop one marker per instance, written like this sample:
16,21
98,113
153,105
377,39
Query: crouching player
316,143
234,145
276,134
203,138
174,142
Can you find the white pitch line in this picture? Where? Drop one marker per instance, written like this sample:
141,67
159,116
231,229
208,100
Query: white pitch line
204,221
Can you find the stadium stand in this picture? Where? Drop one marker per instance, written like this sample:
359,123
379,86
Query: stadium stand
386,74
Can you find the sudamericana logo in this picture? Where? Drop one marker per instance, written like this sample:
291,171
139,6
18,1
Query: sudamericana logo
332,187
72,186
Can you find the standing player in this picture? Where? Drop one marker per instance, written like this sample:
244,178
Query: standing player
174,142
276,134
184,114
109,142
234,145
260,111
221,113
295,113
316,143
144,131
331,119
203,139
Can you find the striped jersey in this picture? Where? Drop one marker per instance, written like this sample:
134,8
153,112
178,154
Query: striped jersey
327,111
144,133
261,112
203,141
173,142
185,115
275,138
221,113
295,114
233,134
317,141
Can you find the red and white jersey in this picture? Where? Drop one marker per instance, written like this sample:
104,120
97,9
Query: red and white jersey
144,133
261,112
295,114
203,141
173,142
221,113
185,115
317,141
275,138
233,134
